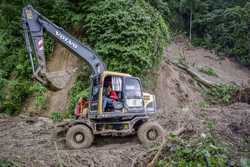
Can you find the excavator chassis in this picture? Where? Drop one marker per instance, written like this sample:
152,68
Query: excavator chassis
104,127
80,133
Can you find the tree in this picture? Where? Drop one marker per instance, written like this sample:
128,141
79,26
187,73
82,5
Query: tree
190,6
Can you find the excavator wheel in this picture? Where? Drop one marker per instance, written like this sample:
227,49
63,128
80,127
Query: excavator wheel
150,133
79,136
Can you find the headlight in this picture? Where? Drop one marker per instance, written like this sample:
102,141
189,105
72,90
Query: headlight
149,103
134,102
150,107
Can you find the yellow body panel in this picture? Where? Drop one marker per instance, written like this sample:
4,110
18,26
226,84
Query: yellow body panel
104,74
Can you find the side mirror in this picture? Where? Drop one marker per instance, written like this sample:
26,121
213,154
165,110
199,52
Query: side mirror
95,90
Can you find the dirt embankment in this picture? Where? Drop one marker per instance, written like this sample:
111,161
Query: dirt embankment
61,61
225,70
30,142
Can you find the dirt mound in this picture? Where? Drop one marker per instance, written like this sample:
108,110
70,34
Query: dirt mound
174,88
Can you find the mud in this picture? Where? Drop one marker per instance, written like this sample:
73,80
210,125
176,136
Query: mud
30,142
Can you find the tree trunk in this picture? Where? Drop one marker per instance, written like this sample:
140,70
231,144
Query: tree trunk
190,25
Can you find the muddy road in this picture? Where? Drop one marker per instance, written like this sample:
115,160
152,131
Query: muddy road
30,142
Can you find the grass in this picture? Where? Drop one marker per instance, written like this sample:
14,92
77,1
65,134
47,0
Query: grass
201,151
203,104
39,91
56,116
208,71
59,116
6,163
221,94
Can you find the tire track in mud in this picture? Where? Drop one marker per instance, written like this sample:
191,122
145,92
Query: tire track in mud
29,142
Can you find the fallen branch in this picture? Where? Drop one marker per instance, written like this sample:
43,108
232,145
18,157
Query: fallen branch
194,74
162,146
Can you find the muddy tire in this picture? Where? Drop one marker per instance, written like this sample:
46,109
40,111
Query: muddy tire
79,136
150,133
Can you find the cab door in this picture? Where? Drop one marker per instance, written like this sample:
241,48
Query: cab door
133,97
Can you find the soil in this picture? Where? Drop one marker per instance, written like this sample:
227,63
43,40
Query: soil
29,141
61,63
226,69
62,59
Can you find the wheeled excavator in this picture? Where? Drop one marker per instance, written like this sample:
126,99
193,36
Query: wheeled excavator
130,114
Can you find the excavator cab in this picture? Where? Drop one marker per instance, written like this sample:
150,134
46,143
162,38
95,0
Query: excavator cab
127,88
128,114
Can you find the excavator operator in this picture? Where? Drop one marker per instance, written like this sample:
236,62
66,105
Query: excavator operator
109,98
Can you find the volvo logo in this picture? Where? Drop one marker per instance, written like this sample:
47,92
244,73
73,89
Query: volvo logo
66,40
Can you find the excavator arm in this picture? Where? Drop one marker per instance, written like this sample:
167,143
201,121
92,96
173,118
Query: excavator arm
34,25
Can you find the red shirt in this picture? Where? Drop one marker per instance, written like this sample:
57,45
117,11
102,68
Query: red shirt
113,95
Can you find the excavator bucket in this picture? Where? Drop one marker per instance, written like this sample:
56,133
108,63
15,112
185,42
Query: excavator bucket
54,81
58,80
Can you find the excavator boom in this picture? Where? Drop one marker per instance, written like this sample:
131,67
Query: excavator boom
34,24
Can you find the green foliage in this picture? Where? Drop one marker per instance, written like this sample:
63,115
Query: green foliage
56,116
6,163
203,104
129,34
12,95
162,6
204,151
221,94
37,88
226,29
208,70
219,24
15,70
40,100
244,162
38,91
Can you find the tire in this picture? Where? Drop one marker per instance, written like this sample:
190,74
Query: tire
150,133
79,136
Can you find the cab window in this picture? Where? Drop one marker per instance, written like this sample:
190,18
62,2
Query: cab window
132,88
